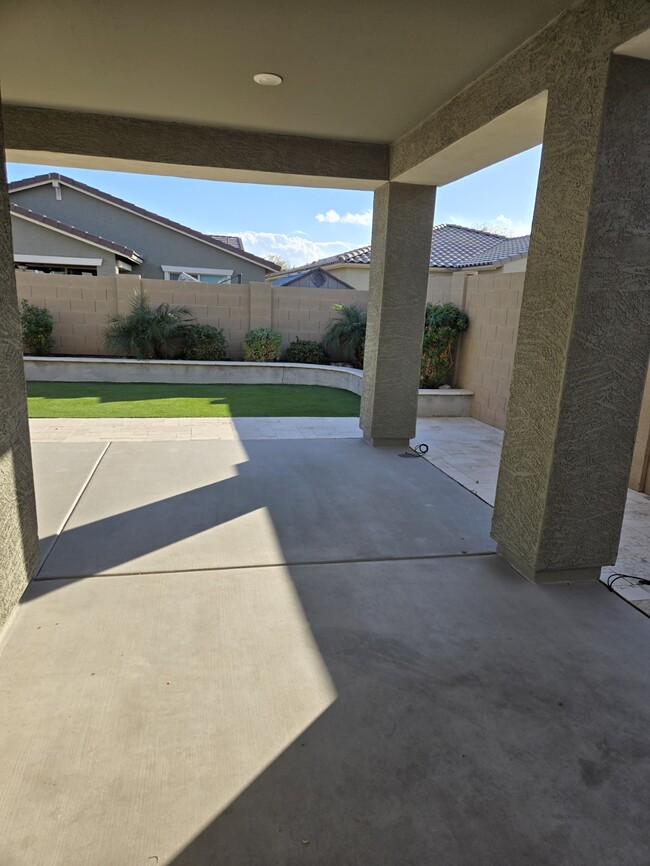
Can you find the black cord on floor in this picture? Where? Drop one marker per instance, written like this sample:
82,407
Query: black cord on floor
614,576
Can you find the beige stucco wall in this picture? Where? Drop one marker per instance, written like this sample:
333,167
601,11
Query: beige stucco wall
357,277
439,286
515,266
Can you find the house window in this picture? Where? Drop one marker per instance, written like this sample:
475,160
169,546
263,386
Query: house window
60,270
199,275
80,266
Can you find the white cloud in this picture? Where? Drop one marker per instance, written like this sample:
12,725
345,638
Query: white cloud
330,216
501,225
360,219
294,248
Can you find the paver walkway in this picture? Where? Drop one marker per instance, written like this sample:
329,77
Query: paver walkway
464,448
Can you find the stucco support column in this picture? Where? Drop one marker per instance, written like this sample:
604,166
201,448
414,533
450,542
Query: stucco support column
399,272
584,332
19,552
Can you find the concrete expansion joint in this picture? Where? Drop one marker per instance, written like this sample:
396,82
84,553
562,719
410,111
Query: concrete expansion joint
270,565
70,511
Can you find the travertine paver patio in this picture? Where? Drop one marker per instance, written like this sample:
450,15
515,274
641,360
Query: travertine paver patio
469,452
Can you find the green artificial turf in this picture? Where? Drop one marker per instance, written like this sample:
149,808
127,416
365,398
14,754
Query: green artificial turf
112,400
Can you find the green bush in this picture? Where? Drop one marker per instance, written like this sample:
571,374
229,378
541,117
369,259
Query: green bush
204,343
306,352
147,333
442,325
346,336
37,324
262,344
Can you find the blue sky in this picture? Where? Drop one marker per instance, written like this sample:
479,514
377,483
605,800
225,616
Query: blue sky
302,224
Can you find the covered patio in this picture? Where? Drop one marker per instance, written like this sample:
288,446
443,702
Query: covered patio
259,651
256,652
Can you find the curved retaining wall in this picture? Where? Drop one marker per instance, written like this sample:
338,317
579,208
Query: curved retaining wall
453,402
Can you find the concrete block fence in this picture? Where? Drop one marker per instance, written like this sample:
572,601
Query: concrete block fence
80,306
485,353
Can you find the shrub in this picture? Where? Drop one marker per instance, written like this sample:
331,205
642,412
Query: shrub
204,343
147,333
306,352
262,344
346,336
37,324
442,325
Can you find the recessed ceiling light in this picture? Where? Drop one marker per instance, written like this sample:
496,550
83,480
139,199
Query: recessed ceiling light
270,79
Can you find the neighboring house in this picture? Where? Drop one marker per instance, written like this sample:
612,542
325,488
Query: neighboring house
313,278
60,225
453,248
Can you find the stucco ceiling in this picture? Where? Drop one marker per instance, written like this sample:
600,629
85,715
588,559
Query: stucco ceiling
352,69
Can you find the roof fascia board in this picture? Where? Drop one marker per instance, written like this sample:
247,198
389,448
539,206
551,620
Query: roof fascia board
57,260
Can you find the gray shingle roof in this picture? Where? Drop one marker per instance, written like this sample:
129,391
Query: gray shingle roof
453,247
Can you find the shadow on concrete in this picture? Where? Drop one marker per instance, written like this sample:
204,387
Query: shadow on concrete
477,719
470,727
290,502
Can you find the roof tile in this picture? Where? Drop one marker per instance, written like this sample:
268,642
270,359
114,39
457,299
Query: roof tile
452,247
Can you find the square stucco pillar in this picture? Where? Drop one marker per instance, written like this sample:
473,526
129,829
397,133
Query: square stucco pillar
584,332
399,272
19,553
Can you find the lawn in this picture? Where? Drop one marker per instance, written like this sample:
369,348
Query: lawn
113,400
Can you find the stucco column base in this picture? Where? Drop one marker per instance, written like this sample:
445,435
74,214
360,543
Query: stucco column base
535,575
385,443
399,272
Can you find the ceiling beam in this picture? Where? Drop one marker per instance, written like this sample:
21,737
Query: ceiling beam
65,138
450,143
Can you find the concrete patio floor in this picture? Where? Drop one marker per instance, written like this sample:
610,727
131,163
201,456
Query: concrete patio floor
306,651
463,448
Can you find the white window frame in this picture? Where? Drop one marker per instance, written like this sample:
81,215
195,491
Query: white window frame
168,270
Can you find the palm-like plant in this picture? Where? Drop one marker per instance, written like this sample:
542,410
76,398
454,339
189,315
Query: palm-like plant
346,336
148,333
